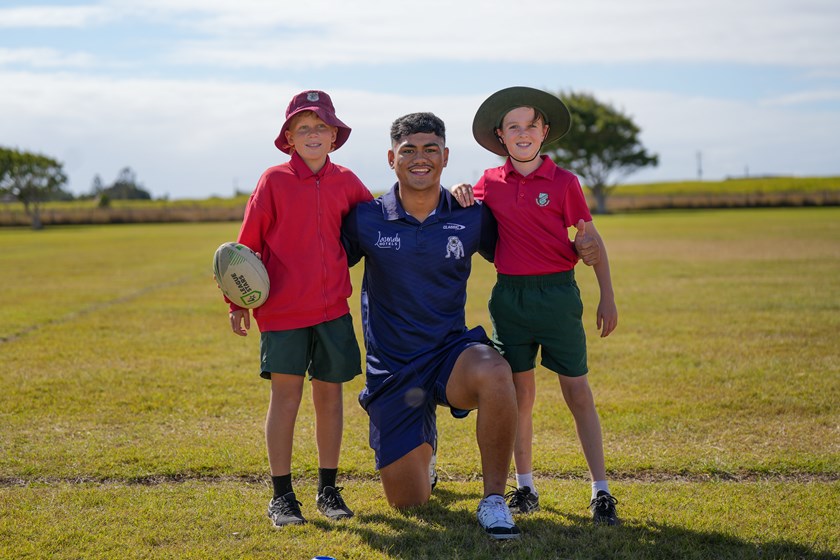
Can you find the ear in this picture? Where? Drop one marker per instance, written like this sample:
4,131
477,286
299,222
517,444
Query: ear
334,136
391,159
445,156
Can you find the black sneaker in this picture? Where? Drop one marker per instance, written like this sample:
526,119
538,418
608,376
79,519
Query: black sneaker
603,509
522,500
331,504
285,510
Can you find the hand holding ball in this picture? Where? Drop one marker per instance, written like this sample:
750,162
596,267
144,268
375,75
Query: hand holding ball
241,275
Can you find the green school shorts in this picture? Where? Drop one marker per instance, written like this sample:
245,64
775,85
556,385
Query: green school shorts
531,313
327,351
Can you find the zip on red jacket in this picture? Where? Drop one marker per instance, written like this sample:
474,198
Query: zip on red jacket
293,219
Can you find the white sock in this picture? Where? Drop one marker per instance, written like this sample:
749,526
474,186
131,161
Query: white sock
523,480
599,485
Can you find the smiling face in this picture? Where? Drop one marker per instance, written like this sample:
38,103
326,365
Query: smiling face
418,160
522,132
311,138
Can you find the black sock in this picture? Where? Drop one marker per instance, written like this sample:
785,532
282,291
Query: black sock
282,484
326,477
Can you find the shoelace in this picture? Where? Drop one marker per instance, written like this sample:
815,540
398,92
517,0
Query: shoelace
604,503
499,511
517,496
333,499
286,507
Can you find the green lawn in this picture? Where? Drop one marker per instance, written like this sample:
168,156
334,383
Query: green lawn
734,186
131,418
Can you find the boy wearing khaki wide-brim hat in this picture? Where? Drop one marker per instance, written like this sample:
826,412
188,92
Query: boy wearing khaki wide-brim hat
535,304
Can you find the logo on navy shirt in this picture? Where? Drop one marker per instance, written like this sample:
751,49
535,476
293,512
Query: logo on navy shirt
385,242
454,226
454,248
542,199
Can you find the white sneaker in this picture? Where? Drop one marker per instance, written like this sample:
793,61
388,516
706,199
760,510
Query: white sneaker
433,477
495,518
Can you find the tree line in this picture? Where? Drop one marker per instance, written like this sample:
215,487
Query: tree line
602,148
34,179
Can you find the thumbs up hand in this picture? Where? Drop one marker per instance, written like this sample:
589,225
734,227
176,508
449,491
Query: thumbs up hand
586,245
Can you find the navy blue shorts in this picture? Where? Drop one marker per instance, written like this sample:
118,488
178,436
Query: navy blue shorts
402,407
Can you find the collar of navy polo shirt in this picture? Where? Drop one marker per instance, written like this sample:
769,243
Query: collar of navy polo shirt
302,170
545,170
392,209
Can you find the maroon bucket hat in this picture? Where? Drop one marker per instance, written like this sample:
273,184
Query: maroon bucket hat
321,104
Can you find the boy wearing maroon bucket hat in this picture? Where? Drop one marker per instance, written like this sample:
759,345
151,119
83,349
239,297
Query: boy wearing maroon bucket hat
535,304
293,220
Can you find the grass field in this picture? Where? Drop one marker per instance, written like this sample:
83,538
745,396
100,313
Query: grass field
739,185
131,418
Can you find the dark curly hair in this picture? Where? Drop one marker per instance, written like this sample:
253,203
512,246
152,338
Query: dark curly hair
417,122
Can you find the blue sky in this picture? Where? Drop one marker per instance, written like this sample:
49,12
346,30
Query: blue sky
190,94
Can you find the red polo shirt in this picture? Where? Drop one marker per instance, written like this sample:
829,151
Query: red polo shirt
534,214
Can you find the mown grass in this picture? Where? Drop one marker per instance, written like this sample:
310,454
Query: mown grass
198,520
742,185
131,418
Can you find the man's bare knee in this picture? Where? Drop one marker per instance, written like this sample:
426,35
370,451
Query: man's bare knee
406,481
404,503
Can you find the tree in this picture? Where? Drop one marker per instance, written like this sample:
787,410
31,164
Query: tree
602,146
97,186
125,187
31,178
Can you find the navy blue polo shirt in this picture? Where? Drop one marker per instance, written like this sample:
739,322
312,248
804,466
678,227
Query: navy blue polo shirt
415,280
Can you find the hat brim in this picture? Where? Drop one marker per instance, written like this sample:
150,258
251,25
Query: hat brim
489,115
341,136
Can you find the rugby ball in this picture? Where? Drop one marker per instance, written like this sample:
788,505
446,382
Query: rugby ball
241,275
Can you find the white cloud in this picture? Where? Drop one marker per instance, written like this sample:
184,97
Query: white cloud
265,33
45,58
804,97
753,32
52,16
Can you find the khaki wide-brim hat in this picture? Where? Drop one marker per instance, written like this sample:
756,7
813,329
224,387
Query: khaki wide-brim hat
490,114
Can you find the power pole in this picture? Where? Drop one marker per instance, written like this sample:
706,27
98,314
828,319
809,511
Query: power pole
699,165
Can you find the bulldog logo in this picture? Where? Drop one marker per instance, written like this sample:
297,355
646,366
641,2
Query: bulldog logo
454,247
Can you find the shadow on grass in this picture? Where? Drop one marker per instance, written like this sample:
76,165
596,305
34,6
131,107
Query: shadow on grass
444,529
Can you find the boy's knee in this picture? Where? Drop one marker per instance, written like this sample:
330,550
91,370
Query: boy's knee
579,395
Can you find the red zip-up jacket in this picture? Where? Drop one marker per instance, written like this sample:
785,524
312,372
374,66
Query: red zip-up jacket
293,219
